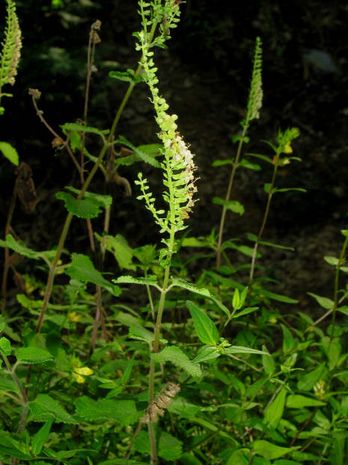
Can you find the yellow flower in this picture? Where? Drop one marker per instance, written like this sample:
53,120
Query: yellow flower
84,371
288,148
74,317
80,373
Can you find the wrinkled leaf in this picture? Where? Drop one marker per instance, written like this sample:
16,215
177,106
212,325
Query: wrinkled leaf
32,355
178,358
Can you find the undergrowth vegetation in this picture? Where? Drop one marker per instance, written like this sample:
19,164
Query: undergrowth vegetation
181,352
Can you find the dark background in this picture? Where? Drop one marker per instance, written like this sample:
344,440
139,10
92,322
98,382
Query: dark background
205,75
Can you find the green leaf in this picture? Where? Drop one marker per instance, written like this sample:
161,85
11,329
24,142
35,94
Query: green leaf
244,312
178,358
23,250
206,353
259,156
9,447
270,451
200,291
286,462
149,281
5,346
274,411
39,438
101,410
125,76
343,309
44,408
147,156
289,189
105,201
239,457
205,327
273,296
218,163
308,380
232,205
298,401
86,208
76,127
268,362
9,152
119,247
32,355
82,269
248,165
289,342
324,302
243,350
169,448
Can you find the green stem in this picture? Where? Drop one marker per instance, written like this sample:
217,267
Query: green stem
228,196
337,300
66,227
264,219
22,393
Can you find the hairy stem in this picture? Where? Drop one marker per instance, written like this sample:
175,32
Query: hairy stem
228,196
66,227
264,219
6,250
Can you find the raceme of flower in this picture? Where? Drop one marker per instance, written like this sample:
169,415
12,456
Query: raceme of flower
178,165
11,48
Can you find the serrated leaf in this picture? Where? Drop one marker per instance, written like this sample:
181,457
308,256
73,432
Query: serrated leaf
270,451
32,355
122,411
25,251
44,408
5,346
149,281
125,76
144,155
324,302
169,447
87,208
119,247
9,152
77,127
274,411
104,200
82,269
39,438
298,401
232,205
205,327
200,291
178,358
